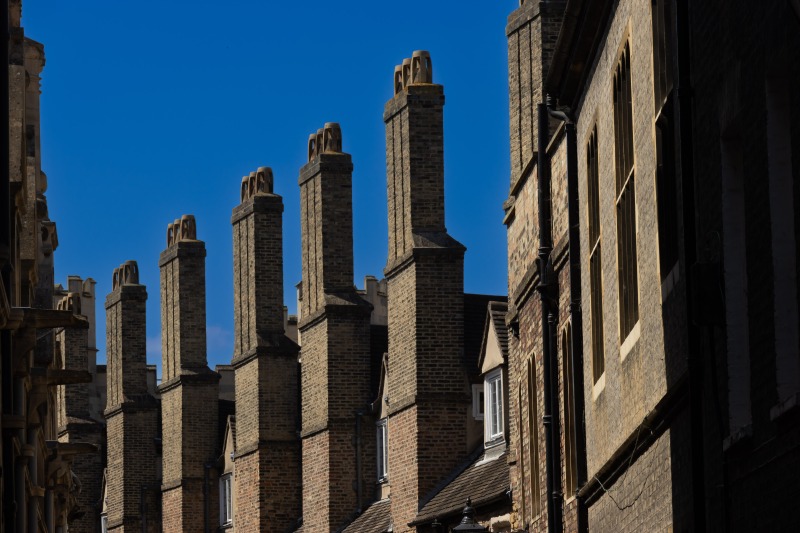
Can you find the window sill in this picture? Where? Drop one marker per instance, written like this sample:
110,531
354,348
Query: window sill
784,406
492,451
496,444
630,341
738,436
670,281
599,385
226,527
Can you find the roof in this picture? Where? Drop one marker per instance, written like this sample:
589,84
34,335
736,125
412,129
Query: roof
475,306
495,317
485,481
377,518
497,314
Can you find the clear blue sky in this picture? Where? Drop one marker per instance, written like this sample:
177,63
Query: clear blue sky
151,110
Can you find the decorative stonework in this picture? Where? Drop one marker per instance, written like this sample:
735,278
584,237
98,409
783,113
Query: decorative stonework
184,229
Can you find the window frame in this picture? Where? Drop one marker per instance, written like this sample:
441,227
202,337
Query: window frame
570,420
625,200
493,384
226,499
382,450
478,402
595,256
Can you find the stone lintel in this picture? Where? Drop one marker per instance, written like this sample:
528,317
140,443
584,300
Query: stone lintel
180,249
333,162
413,92
262,202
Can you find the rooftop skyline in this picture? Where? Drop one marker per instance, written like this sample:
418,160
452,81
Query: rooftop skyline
155,111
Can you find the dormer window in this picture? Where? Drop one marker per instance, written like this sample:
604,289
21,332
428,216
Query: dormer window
382,451
225,501
493,411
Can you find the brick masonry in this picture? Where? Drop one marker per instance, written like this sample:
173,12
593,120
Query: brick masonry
75,424
335,331
189,391
427,387
656,488
132,476
532,31
267,462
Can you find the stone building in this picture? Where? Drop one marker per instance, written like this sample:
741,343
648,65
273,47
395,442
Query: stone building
650,388
48,433
642,374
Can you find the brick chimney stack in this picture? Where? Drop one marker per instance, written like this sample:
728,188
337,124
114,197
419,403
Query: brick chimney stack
131,412
267,462
189,389
336,337
425,286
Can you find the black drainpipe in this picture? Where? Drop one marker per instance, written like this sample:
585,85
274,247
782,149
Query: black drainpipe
575,311
546,289
695,356
143,506
206,497
359,496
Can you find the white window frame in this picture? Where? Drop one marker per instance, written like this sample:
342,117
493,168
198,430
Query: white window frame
382,450
104,523
477,401
226,500
494,417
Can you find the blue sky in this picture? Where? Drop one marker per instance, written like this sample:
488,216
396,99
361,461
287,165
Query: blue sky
151,110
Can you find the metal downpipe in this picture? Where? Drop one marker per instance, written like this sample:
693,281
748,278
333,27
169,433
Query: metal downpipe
550,415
